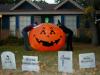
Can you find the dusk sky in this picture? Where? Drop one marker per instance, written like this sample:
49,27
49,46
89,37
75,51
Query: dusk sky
49,1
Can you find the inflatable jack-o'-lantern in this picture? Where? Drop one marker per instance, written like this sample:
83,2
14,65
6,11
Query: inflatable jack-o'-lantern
47,37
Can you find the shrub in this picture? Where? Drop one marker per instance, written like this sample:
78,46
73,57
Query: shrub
2,42
82,39
12,40
20,41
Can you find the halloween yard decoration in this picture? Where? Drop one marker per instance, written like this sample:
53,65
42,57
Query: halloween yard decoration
47,37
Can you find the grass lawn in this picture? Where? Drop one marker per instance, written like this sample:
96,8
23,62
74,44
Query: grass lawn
48,60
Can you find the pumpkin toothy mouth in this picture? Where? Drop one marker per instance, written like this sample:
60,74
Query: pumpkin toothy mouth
45,43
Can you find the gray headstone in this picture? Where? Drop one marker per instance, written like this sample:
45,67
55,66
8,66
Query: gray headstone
30,63
8,60
87,60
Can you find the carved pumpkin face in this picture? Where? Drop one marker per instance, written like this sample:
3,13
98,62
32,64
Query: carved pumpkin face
47,37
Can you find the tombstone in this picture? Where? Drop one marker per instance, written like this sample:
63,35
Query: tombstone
30,63
8,60
87,60
65,61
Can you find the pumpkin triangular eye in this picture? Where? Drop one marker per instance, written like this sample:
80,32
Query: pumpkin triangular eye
43,32
52,32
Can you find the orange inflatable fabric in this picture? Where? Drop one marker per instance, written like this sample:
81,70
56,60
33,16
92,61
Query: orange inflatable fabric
47,37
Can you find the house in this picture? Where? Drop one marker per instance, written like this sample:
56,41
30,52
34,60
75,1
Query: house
17,16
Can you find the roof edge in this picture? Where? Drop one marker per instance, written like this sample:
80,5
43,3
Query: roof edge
22,1
73,2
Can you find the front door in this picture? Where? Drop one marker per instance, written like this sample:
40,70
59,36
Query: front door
49,17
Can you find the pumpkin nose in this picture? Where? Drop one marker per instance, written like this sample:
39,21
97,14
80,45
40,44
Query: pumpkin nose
47,35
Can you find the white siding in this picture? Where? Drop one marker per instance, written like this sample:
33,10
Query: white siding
13,25
70,22
56,18
23,22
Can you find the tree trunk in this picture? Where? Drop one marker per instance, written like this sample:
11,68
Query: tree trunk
98,31
94,30
94,35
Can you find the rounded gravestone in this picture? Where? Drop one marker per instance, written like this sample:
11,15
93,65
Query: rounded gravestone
8,60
